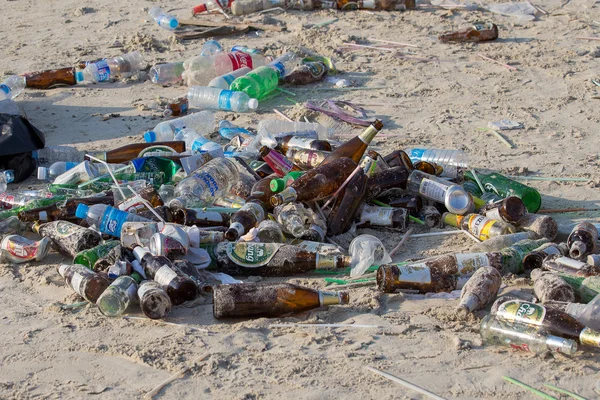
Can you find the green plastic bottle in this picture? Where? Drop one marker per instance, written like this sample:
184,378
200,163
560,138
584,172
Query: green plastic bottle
262,81
503,186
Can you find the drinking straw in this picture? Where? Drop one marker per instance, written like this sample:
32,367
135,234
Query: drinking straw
563,391
148,205
529,388
415,219
102,177
510,68
110,173
388,41
282,115
404,239
325,326
477,180
343,185
405,383
286,91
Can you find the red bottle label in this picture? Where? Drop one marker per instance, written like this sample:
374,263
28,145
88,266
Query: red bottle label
240,60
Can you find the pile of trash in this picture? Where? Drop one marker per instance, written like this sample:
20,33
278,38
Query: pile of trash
199,204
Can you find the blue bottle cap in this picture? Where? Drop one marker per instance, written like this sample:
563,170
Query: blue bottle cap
81,211
150,136
79,76
173,23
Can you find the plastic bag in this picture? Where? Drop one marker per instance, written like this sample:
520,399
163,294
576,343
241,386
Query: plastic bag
367,250
521,11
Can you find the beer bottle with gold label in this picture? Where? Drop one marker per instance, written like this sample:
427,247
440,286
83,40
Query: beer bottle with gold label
356,147
245,219
305,158
509,210
479,226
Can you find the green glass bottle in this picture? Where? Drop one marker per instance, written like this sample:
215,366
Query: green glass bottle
89,257
505,187
512,257
30,205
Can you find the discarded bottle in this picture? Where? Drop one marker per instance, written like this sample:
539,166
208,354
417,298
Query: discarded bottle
107,219
263,80
555,321
305,158
392,178
586,314
479,226
52,154
284,144
10,226
431,216
454,197
306,73
69,239
415,277
245,49
565,265
219,99
582,240
212,6
479,32
18,250
135,150
271,259
317,183
176,107
355,148
498,332
551,287
56,169
278,184
269,231
164,20
88,258
51,78
277,161
505,187
509,210
178,286
245,219
12,86
85,282
199,71
6,177
117,296
451,161
271,129
227,130
199,217
201,122
155,303
166,74
225,81
270,299
535,259
122,66
382,216
479,291
542,225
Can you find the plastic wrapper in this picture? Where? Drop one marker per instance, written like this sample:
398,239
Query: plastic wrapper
367,250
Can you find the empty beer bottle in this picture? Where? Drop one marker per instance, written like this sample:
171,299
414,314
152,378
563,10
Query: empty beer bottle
271,259
356,147
118,296
502,242
535,259
154,301
245,219
586,288
50,78
548,286
270,299
69,239
85,282
568,266
582,240
284,144
454,197
555,321
62,210
269,231
387,217
89,257
305,158
509,210
479,291
479,226
499,332
131,151
478,32
178,286
505,187
318,183
277,161
431,216
415,277
347,204
199,217
542,225
262,192
380,182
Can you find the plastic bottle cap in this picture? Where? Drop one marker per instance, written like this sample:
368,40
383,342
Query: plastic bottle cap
277,185
173,23
253,104
150,136
42,173
81,211
79,76
295,174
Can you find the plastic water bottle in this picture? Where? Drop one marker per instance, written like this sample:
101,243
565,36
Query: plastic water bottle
12,86
244,49
164,20
219,99
6,177
202,122
450,160
49,155
262,81
210,48
224,81
201,70
228,131
271,129
196,142
107,219
208,183
56,169
101,71
166,74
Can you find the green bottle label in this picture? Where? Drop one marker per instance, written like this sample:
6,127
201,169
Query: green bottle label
519,311
65,229
251,255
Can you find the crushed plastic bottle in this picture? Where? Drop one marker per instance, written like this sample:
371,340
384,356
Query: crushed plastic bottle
12,86
122,66
107,219
219,99
164,20
210,48
166,74
227,130
202,122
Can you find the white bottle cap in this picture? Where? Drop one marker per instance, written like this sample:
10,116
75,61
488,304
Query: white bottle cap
42,173
253,104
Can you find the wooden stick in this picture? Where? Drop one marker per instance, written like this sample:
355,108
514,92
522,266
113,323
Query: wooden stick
179,374
405,384
587,38
396,43
404,239
282,115
510,68
362,46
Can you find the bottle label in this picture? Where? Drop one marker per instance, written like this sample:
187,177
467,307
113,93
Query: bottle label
240,60
112,221
238,227
416,155
103,71
381,216
210,181
76,281
132,205
165,275
20,247
309,158
302,142
434,190
279,67
325,261
206,216
279,163
65,229
569,262
225,99
414,273
251,255
468,263
528,313
6,201
288,195
255,209
480,226
590,337
5,88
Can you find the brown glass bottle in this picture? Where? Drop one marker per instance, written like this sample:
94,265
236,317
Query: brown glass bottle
245,219
557,322
270,299
582,240
542,225
261,191
395,177
479,291
50,78
85,282
131,151
318,183
399,158
178,286
198,217
347,205
548,286
479,32
416,277
279,163
164,211
535,259
135,205
69,239
479,226
387,217
290,141
271,259
509,210
305,158
569,266
397,198
355,147
155,303
64,211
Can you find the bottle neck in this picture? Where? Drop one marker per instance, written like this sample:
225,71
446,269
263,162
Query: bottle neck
332,298
368,134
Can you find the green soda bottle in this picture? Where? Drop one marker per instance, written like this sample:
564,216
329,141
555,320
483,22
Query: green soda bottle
262,81
89,257
30,205
503,186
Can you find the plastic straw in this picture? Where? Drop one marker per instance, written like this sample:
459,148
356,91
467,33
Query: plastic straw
563,391
510,68
529,388
325,326
548,178
415,219
286,91
148,205
380,203
343,185
477,180
111,175
276,111
388,41
404,239
362,46
588,38
96,179
405,383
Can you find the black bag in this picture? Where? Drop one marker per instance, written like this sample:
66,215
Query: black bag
18,138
